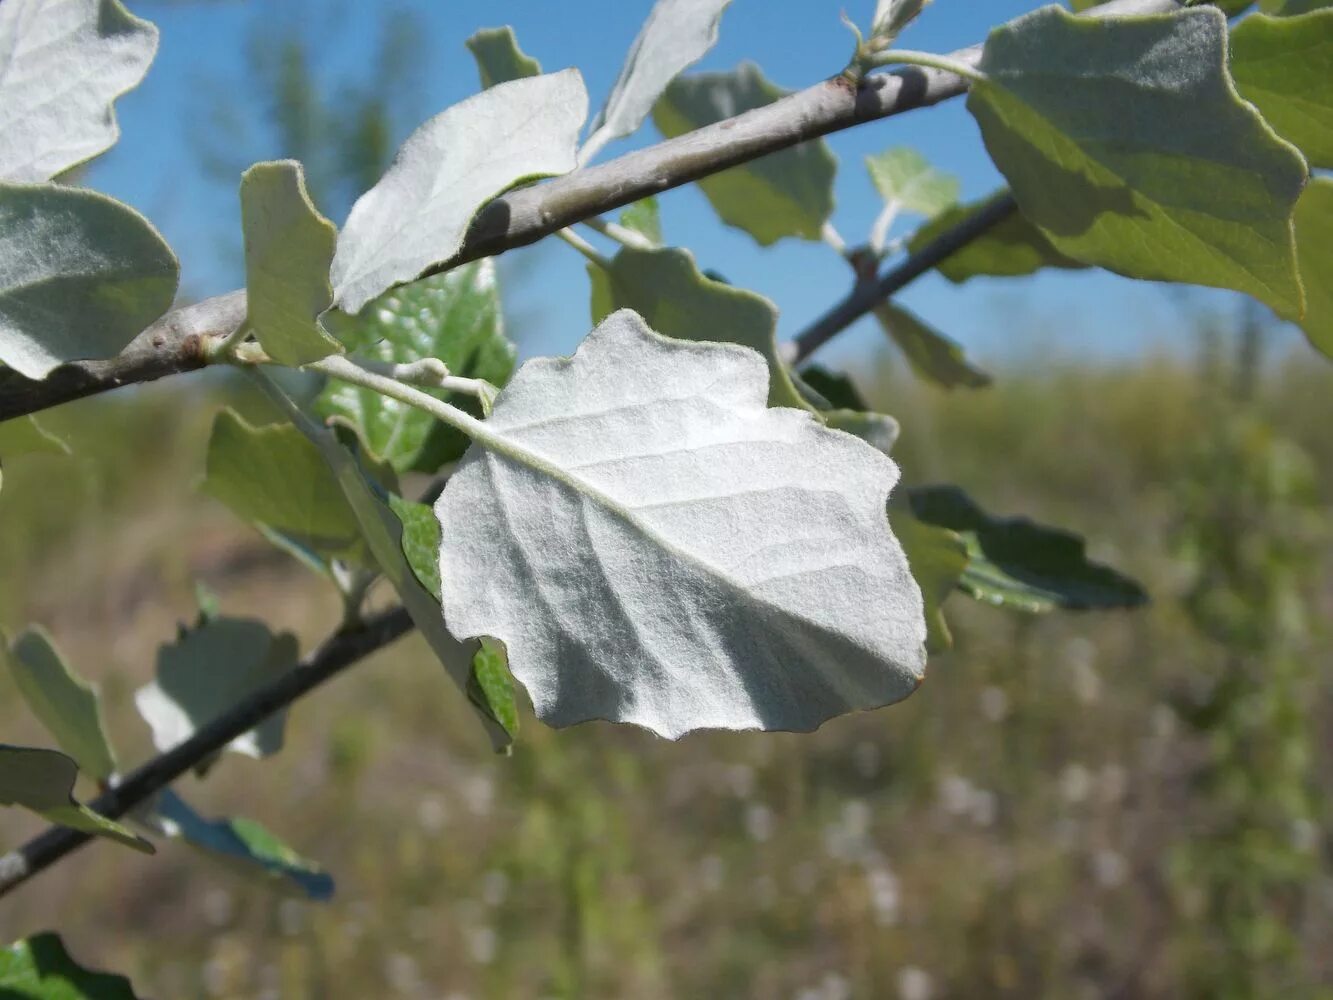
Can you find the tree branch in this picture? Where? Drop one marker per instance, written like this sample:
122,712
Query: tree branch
336,654
524,216
864,296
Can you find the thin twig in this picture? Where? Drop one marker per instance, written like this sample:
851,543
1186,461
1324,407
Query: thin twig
524,216
336,654
866,295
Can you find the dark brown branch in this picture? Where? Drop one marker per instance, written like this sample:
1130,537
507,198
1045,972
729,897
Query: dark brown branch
527,215
337,653
864,296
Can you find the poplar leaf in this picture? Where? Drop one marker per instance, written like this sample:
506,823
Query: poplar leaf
274,478
675,36
666,289
80,275
938,558
66,704
876,429
499,59
384,535
837,388
645,218
1284,65
62,64
207,671
1314,250
288,250
1293,8
1014,562
419,212
905,179
39,968
788,193
1125,141
654,545
456,317
932,355
1010,249
43,781
241,844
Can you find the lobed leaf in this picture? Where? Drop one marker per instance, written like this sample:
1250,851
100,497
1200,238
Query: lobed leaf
274,478
878,430
288,250
384,535
1314,250
419,212
66,704
666,289
932,355
788,193
43,781
80,275
654,545
1283,65
39,968
242,844
207,671
938,559
675,36
905,179
1125,141
1014,562
499,59
62,65
1012,248
456,317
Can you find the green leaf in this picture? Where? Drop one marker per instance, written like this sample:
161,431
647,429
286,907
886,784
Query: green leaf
932,355
653,544
644,218
62,65
242,844
419,212
491,687
43,782
456,317
676,35
789,193
838,389
1124,140
80,275
25,436
65,703
938,558
892,16
384,535
876,429
1293,8
1010,249
1314,249
39,968
1015,563
274,478
288,249
421,540
1284,65
499,59
207,671
906,180
667,290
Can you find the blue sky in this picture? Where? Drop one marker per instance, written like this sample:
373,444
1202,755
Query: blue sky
201,64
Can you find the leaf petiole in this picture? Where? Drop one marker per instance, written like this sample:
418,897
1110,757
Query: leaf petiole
930,60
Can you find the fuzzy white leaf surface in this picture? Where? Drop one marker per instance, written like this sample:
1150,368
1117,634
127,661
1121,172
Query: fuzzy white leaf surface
654,545
419,212
675,36
62,63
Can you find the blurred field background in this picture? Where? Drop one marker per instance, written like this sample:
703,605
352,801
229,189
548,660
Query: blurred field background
1075,805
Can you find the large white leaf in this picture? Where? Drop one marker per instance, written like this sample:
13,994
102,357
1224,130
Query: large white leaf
675,36
62,63
419,212
654,545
